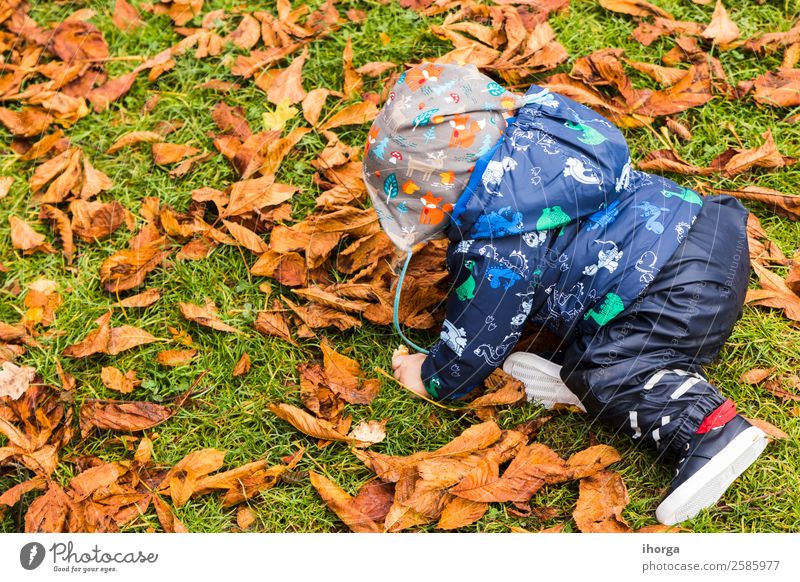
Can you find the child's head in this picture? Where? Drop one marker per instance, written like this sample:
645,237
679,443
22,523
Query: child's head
438,120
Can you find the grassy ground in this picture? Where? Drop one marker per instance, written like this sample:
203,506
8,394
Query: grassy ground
233,415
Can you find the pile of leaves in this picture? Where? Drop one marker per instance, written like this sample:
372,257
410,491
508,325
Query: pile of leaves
454,485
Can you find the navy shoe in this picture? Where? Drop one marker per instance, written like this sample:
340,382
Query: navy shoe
709,463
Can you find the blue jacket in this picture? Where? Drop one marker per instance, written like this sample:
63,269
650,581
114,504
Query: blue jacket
556,219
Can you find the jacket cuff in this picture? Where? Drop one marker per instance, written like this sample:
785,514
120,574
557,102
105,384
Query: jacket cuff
437,383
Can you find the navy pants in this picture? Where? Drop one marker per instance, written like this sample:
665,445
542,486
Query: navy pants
642,372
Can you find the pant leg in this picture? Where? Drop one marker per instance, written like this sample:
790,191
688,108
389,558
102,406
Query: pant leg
642,373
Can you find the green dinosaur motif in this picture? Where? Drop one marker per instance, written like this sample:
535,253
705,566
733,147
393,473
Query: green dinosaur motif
552,217
433,386
609,309
590,135
684,194
466,290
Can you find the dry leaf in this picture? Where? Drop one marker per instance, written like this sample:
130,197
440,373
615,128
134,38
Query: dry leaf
175,358
352,115
126,17
114,379
143,299
602,498
170,153
205,315
15,380
756,375
242,367
721,30
342,505
306,423
133,138
773,432
461,512
24,238
368,432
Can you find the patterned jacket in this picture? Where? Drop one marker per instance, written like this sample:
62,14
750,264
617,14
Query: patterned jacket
555,217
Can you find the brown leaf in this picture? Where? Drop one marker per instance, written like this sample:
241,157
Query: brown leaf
352,79
602,498
78,40
786,204
273,322
5,185
246,237
352,115
122,416
115,89
288,268
63,228
756,375
231,120
313,104
126,17
533,467
24,238
285,85
126,337
460,512
249,195
48,513
114,379
166,517
15,380
28,122
368,432
206,316
634,8
94,478
592,460
143,299
374,500
780,88
246,36
128,268
774,293
175,358
764,156
242,367
342,505
133,138
93,221
245,518
170,153
12,496
306,423
721,30
345,379
773,432
94,342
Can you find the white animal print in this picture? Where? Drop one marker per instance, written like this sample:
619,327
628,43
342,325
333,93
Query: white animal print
494,172
645,265
454,337
544,98
576,169
464,245
427,167
624,180
605,259
534,239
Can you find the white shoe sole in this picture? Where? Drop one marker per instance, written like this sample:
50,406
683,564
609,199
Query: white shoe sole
704,488
542,380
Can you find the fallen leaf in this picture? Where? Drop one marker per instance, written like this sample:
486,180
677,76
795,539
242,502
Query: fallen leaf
170,153
368,432
374,500
352,115
122,415
634,8
285,85
144,299
245,518
774,293
5,185
205,315
175,358
601,500
128,268
461,512
133,138
756,375
126,17
306,423
15,380
773,432
342,505
242,367
273,322
721,30
114,379
27,240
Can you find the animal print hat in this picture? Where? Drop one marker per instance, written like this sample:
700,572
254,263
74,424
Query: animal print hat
421,149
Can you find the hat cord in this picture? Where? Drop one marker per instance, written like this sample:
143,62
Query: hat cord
397,307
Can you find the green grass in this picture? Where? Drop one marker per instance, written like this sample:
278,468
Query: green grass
233,414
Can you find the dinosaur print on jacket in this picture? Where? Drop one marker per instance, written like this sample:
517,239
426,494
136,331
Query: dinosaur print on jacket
589,135
504,222
684,194
552,217
466,290
609,309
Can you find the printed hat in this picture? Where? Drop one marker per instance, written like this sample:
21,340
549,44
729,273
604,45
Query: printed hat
421,149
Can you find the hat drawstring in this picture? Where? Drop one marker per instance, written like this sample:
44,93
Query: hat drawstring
397,307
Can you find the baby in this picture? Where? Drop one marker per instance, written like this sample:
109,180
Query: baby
548,222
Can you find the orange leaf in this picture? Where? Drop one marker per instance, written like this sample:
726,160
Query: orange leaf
342,505
352,115
602,498
461,512
206,316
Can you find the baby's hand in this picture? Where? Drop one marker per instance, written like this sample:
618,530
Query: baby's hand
408,370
